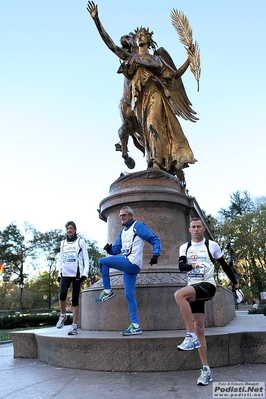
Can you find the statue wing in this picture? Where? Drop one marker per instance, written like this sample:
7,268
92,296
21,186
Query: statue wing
180,101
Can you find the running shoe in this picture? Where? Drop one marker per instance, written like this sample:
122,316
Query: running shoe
131,330
61,321
104,296
189,343
205,377
73,330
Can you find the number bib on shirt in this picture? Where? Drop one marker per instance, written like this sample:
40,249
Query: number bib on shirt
198,272
69,257
126,248
70,254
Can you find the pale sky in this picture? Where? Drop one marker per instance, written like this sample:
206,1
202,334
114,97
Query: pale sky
59,96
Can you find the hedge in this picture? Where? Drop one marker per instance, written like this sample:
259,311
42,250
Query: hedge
259,310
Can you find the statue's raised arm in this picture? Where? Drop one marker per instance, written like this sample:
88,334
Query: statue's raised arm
93,10
130,126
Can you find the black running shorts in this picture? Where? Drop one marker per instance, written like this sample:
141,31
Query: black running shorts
204,292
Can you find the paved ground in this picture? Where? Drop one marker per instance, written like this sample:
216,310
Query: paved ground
29,378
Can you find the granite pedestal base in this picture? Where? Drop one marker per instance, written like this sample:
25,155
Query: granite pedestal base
157,308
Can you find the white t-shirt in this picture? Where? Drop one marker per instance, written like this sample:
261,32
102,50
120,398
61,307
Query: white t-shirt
74,258
197,254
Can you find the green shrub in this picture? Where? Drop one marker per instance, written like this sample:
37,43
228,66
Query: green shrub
32,321
4,336
259,310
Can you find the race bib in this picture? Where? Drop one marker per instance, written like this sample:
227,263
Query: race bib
126,248
69,257
198,272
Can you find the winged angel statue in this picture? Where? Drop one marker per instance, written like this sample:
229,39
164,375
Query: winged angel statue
154,96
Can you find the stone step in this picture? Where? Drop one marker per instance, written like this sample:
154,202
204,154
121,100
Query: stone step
243,340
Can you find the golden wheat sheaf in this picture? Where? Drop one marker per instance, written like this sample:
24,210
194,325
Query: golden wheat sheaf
181,24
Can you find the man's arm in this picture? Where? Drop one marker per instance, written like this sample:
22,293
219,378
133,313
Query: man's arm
183,266
228,271
116,247
146,234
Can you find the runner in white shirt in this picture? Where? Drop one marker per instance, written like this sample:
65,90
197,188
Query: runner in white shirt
74,269
196,258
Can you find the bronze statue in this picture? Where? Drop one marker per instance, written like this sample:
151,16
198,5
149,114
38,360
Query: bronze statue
130,125
153,95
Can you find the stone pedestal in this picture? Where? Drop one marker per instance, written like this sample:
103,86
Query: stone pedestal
157,199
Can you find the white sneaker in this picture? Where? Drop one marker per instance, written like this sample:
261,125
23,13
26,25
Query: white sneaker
73,330
205,377
189,343
61,321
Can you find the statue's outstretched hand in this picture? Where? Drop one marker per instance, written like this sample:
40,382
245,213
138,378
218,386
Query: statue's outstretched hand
93,9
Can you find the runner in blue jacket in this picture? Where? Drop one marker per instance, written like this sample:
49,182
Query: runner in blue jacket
129,244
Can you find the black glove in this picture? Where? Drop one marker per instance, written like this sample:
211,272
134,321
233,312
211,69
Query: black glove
83,278
108,247
154,260
58,279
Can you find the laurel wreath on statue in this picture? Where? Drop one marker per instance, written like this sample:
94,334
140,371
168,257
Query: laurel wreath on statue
181,24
